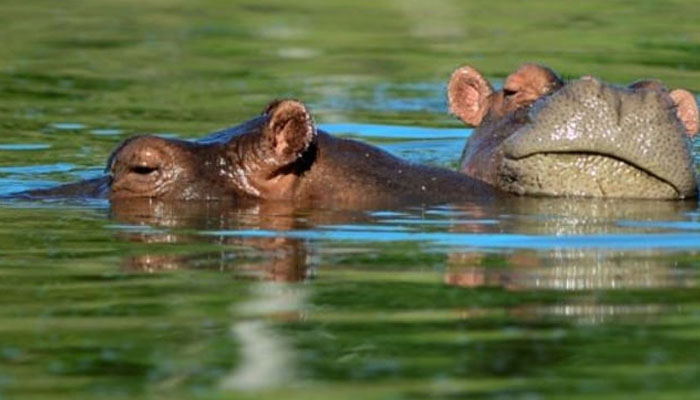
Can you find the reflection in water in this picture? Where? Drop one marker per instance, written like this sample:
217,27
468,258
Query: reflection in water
277,242
592,313
271,258
572,269
575,270
279,245
267,359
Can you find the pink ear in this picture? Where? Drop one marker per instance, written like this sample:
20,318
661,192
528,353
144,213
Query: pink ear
468,94
290,130
687,110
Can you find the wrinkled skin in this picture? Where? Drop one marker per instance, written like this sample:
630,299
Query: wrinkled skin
277,156
539,135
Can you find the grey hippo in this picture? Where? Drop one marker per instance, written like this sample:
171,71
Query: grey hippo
540,135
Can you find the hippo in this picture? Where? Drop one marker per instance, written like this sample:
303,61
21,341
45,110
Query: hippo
278,156
542,136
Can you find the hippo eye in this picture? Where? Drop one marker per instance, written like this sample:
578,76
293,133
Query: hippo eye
143,169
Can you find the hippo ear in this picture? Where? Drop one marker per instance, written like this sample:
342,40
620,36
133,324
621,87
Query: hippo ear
686,110
468,94
289,130
532,81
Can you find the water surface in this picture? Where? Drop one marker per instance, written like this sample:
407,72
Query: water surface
516,298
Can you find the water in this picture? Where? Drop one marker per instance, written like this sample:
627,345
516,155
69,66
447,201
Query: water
517,298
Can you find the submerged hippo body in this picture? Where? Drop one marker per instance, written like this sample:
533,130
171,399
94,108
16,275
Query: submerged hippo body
542,136
278,155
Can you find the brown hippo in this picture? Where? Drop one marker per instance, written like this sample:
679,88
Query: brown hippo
539,135
278,155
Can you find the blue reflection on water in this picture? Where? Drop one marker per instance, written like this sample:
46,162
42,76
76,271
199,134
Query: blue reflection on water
395,131
38,169
106,132
67,126
24,146
485,240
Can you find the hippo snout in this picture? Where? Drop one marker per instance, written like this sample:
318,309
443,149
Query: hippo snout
604,141
146,166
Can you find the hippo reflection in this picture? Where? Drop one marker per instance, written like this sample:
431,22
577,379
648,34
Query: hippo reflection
539,135
578,273
269,258
268,241
277,156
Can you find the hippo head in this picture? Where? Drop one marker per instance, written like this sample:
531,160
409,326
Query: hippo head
256,159
539,135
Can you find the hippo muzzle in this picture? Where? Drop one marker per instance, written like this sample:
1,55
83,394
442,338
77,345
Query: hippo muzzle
593,139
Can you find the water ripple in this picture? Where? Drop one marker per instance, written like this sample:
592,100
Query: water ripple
395,131
679,241
38,169
67,126
24,146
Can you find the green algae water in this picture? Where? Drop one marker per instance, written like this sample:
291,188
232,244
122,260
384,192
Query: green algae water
510,299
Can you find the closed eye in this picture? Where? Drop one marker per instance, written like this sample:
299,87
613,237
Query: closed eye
509,92
142,169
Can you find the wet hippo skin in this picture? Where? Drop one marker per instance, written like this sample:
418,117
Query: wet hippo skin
278,155
539,135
